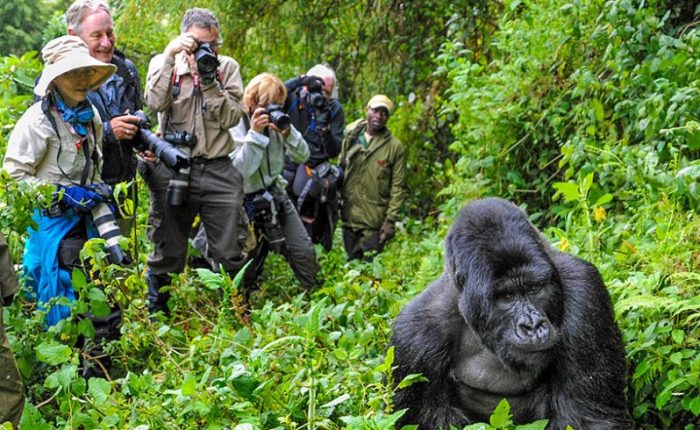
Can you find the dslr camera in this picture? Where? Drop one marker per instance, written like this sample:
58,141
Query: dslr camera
278,117
163,148
207,61
315,96
266,218
173,150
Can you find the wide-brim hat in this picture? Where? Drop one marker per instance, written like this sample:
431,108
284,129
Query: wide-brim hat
381,101
66,53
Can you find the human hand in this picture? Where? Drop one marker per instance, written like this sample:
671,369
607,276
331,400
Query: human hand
283,131
386,232
260,120
312,82
80,198
147,156
187,42
124,127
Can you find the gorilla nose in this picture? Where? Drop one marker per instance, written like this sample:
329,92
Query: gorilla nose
533,327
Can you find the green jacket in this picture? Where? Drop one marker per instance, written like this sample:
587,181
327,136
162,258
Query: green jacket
375,178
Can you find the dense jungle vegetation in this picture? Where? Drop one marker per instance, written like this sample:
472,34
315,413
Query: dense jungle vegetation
583,112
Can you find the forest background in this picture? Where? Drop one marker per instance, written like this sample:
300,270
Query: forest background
583,112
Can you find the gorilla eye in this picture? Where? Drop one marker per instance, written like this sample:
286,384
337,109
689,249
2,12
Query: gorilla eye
536,288
506,296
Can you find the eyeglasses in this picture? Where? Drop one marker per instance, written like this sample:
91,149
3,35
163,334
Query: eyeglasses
216,44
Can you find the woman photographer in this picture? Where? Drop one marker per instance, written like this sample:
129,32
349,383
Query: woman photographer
259,156
57,141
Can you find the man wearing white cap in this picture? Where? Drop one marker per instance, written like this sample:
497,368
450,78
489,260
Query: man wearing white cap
315,111
58,141
375,180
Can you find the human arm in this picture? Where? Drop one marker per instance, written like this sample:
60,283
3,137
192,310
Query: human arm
397,194
250,149
122,127
301,80
223,101
26,148
295,146
159,94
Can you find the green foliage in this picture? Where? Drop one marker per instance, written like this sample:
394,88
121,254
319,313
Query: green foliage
586,114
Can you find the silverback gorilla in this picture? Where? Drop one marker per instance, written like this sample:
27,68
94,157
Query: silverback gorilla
512,318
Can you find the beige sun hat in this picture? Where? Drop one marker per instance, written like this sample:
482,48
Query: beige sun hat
380,100
66,53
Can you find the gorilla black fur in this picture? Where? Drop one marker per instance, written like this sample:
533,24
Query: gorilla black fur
512,318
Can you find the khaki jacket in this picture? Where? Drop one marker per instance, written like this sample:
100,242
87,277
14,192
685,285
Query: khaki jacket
208,115
36,154
375,179
8,277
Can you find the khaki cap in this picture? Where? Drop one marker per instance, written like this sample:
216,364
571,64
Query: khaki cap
380,100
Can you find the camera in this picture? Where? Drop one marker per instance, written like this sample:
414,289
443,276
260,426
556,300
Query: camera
207,61
165,151
180,181
278,117
316,97
107,227
266,218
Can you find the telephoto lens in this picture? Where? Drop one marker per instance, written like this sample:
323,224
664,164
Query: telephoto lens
178,184
108,229
164,149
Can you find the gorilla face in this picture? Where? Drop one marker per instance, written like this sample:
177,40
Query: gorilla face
520,330
510,293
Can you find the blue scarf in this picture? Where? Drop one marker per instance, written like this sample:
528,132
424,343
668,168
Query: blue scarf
79,117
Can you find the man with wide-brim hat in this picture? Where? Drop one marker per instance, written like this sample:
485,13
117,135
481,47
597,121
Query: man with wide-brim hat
57,141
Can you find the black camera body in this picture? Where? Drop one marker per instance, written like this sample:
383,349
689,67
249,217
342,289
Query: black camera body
207,60
266,217
278,117
315,95
163,148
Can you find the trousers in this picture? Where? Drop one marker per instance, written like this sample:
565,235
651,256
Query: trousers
215,193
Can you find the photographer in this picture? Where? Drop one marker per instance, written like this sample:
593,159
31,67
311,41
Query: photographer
57,141
259,156
196,91
316,112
